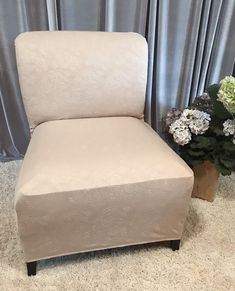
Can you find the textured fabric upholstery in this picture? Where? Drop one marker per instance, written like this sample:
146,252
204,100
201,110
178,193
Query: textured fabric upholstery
97,183
95,175
81,74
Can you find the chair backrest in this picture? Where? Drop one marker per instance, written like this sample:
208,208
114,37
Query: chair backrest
71,74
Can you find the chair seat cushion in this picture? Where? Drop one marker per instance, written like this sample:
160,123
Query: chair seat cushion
95,183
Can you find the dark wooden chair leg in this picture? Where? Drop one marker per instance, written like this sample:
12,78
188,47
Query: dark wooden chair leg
32,268
175,244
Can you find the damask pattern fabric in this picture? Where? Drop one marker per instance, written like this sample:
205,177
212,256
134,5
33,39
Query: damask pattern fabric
121,184
83,78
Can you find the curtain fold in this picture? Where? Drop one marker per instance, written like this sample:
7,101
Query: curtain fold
191,45
103,15
15,17
194,47
222,55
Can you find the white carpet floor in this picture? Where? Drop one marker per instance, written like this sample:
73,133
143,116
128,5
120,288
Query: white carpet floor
206,260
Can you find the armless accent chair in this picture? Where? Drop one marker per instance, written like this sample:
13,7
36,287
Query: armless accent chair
95,175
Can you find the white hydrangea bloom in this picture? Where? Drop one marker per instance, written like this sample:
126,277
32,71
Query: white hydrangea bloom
189,114
180,132
229,127
191,121
199,126
182,137
179,124
198,121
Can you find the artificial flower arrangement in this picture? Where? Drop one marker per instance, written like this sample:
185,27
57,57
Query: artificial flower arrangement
205,131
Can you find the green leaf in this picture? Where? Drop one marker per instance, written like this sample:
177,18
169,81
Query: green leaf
196,153
229,146
213,91
219,110
195,145
225,172
228,163
217,130
190,160
200,142
213,142
221,168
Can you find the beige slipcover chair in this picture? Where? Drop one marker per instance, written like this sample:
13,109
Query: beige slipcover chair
95,175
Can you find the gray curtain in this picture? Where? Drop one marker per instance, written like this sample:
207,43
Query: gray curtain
109,15
15,17
191,45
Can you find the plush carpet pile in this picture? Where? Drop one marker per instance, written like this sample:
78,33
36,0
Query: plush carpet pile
206,260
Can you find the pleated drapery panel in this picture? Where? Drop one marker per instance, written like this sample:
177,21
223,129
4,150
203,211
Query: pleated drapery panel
15,17
103,15
192,45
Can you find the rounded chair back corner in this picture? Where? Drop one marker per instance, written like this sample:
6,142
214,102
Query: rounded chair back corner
71,74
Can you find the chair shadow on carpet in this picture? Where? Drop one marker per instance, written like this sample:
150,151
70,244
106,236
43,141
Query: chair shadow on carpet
226,187
101,254
194,224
